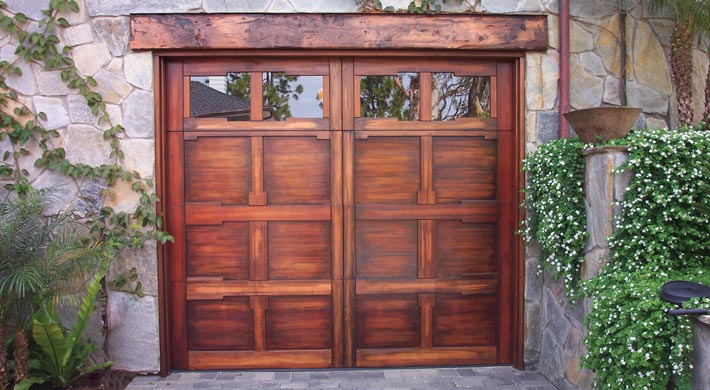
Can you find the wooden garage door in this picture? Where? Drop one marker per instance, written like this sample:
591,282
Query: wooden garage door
339,212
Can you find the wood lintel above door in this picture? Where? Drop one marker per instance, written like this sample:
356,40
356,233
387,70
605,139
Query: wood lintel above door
339,31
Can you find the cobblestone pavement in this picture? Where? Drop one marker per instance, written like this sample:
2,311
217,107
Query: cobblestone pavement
483,378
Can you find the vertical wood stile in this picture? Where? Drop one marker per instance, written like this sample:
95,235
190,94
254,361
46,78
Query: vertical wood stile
332,89
258,251
257,96
257,196
426,193
425,83
349,100
426,252
258,305
426,307
186,96
494,97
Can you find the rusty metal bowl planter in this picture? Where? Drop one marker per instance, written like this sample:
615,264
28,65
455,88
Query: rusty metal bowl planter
599,124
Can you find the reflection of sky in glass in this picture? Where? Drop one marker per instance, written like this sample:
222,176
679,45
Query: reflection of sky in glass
308,104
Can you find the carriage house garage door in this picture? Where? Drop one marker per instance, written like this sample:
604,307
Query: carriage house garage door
340,211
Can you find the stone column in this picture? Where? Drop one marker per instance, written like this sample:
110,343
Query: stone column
701,352
563,333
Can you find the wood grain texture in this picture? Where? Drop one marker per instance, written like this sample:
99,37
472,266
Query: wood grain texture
300,323
220,325
460,321
394,286
474,211
297,171
216,288
258,250
299,250
218,170
215,214
225,360
219,250
386,249
339,31
387,321
404,357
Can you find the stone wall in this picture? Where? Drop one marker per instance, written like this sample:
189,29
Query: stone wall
701,352
99,35
561,320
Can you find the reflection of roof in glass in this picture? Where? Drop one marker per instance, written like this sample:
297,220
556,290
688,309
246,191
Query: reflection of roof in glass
206,102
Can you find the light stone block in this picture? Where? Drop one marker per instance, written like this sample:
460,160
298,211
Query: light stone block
90,58
133,337
139,156
650,65
700,70
541,80
138,68
585,90
50,83
579,39
212,6
701,352
647,98
112,87
79,112
324,5
55,111
123,198
593,63
138,119
25,83
127,7
77,35
145,261
281,6
31,8
114,32
500,6
85,144
593,9
611,91
116,66
63,187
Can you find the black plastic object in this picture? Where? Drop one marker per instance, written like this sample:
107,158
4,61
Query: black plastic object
679,291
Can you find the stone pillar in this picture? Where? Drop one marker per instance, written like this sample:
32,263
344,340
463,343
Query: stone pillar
563,333
701,352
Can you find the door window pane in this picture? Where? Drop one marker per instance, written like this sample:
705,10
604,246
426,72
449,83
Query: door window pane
227,96
288,96
460,97
390,96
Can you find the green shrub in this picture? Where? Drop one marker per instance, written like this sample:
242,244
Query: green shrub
555,205
660,236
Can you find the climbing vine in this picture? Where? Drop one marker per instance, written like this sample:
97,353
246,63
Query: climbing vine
556,219
21,127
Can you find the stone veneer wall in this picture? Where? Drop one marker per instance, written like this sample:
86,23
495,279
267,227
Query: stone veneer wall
99,36
701,352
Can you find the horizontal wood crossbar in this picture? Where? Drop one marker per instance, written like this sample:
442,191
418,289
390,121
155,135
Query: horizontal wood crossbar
216,288
216,214
477,211
339,31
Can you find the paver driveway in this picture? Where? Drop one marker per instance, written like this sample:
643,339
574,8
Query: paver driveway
488,378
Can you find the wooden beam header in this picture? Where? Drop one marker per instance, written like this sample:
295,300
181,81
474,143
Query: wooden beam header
339,31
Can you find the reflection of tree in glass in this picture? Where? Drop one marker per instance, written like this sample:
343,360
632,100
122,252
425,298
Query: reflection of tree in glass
239,85
279,88
458,97
390,96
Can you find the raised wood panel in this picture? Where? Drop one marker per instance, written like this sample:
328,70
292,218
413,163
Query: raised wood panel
387,321
339,31
299,250
464,168
221,250
299,323
218,170
387,170
404,357
220,325
465,250
224,360
296,170
386,249
464,320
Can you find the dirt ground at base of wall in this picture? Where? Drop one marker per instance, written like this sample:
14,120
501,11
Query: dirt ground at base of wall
105,380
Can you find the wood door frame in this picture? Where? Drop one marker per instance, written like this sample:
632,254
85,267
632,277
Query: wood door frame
162,171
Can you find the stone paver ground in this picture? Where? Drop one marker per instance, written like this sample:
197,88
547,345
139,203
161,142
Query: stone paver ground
483,378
